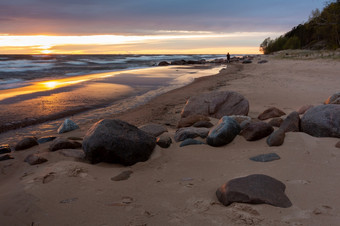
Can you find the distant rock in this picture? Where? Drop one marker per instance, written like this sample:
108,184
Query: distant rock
190,132
322,121
35,159
164,141
256,131
334,99
205,124
216,104
191,119
224,132
190,141
276,122
262,61
276,138
163,63
304,108
45,139
6,157
153,129
265,157
5,148
26,143
272,112
178,62
116,141
247,62
63,143
67,126
254,189
291,123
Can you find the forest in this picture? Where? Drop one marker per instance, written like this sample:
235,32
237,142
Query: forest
321,31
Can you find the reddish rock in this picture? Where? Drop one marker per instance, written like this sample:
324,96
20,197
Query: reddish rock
276,122
256,131
291,123
191,119
272,112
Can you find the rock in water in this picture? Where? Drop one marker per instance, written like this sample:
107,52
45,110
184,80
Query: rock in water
277,138
26,143
272,112
116,141
5,148
256,131
224,133
216,104
254,189
322,121
67,126
190,132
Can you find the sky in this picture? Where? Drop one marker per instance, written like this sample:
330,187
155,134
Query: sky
146,26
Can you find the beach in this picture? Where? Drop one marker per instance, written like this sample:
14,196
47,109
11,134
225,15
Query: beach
177,185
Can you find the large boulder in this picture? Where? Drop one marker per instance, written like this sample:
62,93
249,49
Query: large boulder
322,121
224,132
254,189
256,131
271,112
26,143
216,104
116,141
291,123
190,132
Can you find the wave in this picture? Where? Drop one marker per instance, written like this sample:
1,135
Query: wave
12,83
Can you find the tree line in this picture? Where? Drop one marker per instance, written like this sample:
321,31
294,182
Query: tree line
322,31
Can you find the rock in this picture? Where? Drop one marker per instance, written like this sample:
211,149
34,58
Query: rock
304,108
276,122
153,129
224,132
6,157
205,124
5,148
247,62
35,159
240,118
74,138
26,143
45,139
277,138
190,141
116,141
178,62
74,153
216,104
63,143
271,113
164,141
244,124
337,145
190,132
265,157
291,123
163,63
254,189
122,176
191,119
67,126
262,61
256,131
334,99
322,121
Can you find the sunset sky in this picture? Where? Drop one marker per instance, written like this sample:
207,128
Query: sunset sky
146,26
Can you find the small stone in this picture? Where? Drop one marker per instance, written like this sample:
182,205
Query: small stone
291,123
122,176
272,112
6,157
45,139
75,153
190,141
26,143
190,132
5,148
224,133
67,126
276,138
276,122
62,143
35,159
256,131
164,141
265,157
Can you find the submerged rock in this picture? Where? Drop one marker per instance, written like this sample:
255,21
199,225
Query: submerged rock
224,133
26,143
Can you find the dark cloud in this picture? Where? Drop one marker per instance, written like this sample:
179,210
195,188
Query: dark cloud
139,16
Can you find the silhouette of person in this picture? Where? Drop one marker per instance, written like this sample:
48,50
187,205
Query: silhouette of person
228,58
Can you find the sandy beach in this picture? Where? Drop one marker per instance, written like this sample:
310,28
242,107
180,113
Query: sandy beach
177,185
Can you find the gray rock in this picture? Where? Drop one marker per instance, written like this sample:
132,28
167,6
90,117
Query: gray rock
304,108
224,132
334,99
5,148
272,112
322,121
265,157
291,123
63,143
6,157
276,122
276,138
153,129
164,141
240,118
254,189
256,131
205,124
190,132
45,139
35,159
74,153
190,141
67,126
116,141
191,120
26,143
216,104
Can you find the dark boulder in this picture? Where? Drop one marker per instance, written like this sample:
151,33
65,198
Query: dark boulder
276,138
322,121
291,123
256,131
116,141
35,159
224,132
254,189
272,112
63,143
216,104
163,63
5,148
164,141
190,132
26,143
153,129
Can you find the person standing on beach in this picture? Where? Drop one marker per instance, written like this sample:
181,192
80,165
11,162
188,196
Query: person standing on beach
228,58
